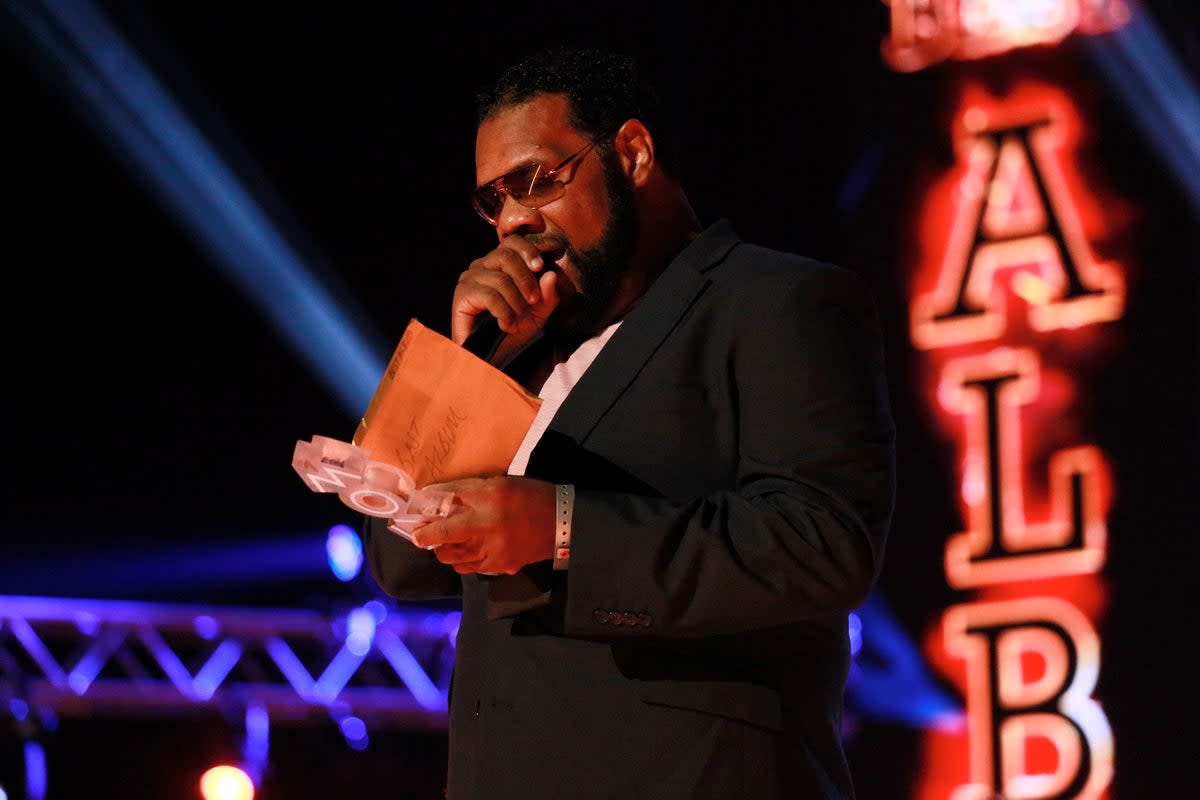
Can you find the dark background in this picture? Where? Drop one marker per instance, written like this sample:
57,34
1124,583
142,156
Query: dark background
152,408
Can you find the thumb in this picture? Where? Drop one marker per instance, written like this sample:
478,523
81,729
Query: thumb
452,487
548,282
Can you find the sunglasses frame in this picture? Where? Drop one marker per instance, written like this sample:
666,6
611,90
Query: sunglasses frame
494,191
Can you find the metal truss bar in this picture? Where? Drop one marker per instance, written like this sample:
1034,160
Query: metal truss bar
75,656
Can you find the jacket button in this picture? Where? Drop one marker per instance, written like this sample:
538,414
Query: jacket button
644,619
601,616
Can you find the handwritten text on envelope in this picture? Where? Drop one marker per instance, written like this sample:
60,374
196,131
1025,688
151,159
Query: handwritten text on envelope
441,413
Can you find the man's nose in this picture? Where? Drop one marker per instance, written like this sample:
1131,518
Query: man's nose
516,218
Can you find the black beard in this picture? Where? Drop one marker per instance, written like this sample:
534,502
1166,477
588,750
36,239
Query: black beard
601,267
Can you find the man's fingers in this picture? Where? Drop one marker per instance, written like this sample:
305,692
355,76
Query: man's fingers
436,534
459,553
494,293
504,283
456,488
519,261
456,527
530,256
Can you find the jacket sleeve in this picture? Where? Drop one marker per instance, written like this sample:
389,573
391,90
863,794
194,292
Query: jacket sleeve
403,570
799,533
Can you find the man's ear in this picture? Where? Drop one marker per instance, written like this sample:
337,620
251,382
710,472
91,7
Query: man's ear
634,147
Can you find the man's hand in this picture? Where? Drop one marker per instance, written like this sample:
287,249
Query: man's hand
498,525
512,283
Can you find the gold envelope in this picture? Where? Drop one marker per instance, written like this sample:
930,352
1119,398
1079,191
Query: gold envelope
441,412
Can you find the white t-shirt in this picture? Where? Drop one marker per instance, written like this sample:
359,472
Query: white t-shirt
562,378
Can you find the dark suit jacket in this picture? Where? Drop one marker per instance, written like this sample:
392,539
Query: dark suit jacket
733,455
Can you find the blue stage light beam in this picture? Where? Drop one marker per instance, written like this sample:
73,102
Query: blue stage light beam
889,678
168,568
129,108
1139,65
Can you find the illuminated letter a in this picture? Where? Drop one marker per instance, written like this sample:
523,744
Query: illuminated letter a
1014,212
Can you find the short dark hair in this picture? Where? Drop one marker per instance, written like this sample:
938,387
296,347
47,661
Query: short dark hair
603,88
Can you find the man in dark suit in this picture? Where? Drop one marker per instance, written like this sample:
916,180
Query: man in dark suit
655,597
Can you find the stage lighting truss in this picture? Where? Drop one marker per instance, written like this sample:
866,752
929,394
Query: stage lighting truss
389,667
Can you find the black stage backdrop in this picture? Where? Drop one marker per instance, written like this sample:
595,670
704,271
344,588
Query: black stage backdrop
152,405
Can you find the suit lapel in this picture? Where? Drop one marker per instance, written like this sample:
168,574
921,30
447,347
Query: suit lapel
642,333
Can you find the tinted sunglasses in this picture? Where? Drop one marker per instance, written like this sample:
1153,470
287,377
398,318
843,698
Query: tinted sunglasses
531,186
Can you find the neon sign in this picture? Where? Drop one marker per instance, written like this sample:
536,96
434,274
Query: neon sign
925,32
1004,306
1000,544
1010,706
1012,207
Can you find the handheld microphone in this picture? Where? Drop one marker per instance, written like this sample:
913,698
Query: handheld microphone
487,335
